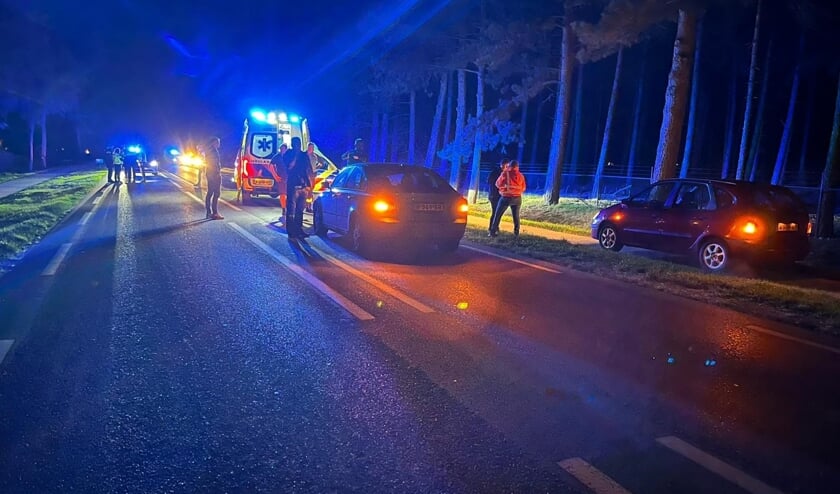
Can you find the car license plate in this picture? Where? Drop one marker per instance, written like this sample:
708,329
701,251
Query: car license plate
428,207
262,182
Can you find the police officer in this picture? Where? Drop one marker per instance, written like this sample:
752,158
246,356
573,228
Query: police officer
116,163
298,187
214,179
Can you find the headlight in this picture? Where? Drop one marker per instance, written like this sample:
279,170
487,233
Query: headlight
153,163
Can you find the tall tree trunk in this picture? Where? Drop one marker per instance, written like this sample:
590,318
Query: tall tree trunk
523,121
537,128
676,96
383,136
433,137
830,177
806,135
784,145
742,151
43,138
32,143
447,130
632,156
560,130
758,131
472,195
412,116
605,142
374,136
729,138
460,121
395,141
577,123
692,108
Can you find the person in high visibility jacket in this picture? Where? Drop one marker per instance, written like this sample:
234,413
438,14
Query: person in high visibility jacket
117,164
511,185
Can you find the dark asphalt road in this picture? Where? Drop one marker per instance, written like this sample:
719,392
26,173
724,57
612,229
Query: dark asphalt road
172,354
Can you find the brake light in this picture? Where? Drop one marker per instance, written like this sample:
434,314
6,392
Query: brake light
381,206
463,208
750,228
810,227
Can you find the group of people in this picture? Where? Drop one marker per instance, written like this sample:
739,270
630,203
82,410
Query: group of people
117,162
295,169
506,184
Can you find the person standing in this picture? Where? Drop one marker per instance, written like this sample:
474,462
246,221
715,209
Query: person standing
493,194
115,163
213,162
356,155
511,185
280,178
298,187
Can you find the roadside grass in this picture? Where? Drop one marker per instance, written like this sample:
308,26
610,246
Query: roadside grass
5,177
568,216
28,215
813,309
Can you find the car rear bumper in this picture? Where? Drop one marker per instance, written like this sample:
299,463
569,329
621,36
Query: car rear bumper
419,232
778,248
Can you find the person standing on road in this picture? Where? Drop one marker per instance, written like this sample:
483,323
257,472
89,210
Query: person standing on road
114,164
511,185
213,162
280,178
298,187
493,194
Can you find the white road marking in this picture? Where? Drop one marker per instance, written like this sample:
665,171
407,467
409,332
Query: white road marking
713,464
5,345
591,477
512,259
793,338
86,218
57,259
319,285
420,306
196,198
98,198
231,205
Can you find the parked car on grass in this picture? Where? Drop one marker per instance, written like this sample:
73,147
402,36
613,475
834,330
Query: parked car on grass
711,219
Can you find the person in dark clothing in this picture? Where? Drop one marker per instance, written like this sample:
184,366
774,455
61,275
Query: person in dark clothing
298,186
279,165
493,194
356,155
214,179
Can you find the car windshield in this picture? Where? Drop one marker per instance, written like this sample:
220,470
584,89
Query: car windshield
777,199
403,179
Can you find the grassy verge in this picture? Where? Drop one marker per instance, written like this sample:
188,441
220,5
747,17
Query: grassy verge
26,216
5,177
568,216
812,309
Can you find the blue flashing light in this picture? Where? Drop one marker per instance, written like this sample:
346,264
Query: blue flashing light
294,118
174,152
258,115
134,149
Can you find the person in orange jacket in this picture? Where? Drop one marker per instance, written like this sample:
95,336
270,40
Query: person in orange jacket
511,185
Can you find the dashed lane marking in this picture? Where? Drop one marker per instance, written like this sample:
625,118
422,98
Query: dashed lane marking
5,345
713,464
793,338
513,259
57,259
591,477
319,285
420,306
86,218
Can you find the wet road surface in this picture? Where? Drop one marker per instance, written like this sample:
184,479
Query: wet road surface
165,353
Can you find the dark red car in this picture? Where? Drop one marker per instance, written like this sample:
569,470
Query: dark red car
711,219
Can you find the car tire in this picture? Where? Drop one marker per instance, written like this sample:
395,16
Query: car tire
358,239
713,255
608,238
318,220
448,246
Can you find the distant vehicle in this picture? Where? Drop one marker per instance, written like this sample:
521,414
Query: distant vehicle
391,204
710,219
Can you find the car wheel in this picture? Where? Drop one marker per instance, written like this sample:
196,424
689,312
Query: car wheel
714,255
449,245
358,241
608,238
318,221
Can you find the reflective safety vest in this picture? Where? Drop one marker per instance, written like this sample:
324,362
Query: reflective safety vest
118,159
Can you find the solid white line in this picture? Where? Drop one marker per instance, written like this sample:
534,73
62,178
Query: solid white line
591,477
512,259
376,283
52,267
5,345
709,462
86,218
319,285
793,338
